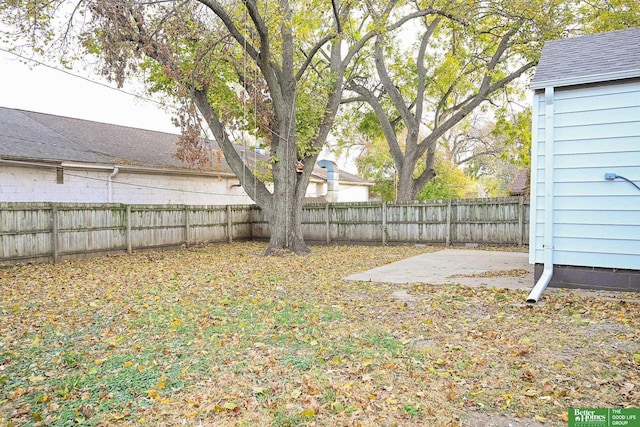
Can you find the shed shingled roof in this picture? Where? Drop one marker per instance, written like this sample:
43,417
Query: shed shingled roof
589,59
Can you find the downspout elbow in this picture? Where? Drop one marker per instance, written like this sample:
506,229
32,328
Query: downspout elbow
110,185
540,285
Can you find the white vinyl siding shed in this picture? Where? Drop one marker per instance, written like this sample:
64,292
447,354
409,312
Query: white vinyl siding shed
586,118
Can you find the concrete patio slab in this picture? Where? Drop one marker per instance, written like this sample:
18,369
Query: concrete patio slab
490,268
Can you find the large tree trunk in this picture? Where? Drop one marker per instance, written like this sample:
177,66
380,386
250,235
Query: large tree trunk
405,190
284,212
282,206
285,227
409,186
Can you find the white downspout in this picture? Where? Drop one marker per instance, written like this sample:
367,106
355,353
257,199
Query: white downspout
547,272
109,184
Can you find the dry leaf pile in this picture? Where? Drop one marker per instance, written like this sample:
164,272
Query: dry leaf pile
220,335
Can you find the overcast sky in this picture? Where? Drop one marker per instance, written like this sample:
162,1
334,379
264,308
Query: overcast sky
45,90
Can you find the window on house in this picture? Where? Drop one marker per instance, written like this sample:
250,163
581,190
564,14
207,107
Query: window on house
59,176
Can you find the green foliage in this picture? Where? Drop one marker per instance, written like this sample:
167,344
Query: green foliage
376,165
464,69
514,131
608,15
450,183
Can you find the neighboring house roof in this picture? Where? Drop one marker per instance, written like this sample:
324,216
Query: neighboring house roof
32,136
520,185
23,137
317,199
39,136
588,59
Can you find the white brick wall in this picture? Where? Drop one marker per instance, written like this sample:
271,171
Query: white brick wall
39,185
27,184
19,184
176,189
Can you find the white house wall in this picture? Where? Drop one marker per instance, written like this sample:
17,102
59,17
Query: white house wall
353,193
596,221
316,189
38,184
177,189
346,193
22,184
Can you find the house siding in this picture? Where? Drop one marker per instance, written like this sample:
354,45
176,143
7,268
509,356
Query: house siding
596,221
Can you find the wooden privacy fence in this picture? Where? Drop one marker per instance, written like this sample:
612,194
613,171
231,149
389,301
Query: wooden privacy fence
32,232
36,232
502,221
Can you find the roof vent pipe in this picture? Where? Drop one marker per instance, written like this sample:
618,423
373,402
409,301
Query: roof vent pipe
333,177
547,273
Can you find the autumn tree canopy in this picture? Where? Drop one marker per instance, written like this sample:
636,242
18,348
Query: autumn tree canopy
269,69
275,72
422,81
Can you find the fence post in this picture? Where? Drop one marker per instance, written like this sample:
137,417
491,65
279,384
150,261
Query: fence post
186,225
229,225
54,231
383,213
448,236
521,221
327,223
128,232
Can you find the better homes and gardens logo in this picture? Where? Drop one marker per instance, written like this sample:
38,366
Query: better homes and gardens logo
588,417
603,417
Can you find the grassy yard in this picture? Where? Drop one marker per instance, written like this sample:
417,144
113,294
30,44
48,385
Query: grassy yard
220,335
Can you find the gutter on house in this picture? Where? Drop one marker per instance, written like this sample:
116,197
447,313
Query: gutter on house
77,165
547,273
586,79
29,163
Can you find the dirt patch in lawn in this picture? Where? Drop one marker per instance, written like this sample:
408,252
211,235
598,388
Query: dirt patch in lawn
220,335
481,419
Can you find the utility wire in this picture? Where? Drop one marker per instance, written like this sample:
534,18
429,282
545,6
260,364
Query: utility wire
126,93
629,181
155,187
44,64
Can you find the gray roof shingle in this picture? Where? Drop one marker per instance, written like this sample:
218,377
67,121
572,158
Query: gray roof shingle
589,59
28,135
21,136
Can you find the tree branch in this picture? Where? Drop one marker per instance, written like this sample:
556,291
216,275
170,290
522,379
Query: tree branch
470,104
391,89
227,21
258,192
387,127
312,53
